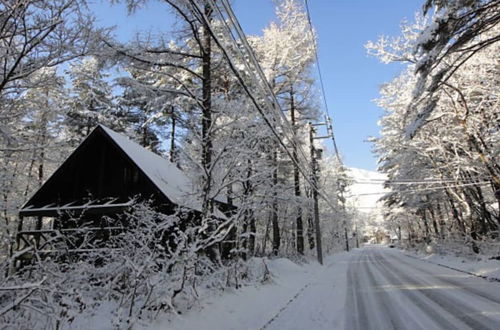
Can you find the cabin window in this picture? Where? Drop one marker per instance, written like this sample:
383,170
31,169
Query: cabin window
29,224
130,175
32,223
126,175
47,223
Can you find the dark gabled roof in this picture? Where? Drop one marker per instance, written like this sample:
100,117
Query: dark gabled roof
169,180
165,175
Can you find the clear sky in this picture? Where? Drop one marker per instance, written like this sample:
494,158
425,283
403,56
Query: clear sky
351,78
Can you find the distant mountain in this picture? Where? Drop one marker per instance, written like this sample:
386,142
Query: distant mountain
366,190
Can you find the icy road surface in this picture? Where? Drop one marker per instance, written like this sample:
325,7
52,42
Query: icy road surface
368,288
388,290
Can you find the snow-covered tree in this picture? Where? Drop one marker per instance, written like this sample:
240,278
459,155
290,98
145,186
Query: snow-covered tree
451,160
35,35
92,100
286,52
38,145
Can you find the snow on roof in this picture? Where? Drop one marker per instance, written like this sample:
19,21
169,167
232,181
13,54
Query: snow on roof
164,174
169,179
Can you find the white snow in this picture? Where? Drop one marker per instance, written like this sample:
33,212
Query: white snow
388,290
369,288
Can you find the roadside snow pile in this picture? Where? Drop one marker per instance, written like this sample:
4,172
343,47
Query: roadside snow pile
268,270
482,266
282,267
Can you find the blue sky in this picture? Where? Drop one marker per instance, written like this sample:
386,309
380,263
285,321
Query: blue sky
352,79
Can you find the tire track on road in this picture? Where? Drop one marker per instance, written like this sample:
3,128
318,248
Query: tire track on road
354,297
411,297
456,308
427,306
485,295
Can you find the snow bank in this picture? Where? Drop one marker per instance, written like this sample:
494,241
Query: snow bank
283,266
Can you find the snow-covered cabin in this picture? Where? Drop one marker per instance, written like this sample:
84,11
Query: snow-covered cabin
102,177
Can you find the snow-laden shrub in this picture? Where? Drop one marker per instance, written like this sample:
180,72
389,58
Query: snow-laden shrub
151,267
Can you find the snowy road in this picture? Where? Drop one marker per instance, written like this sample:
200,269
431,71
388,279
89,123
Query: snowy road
388,290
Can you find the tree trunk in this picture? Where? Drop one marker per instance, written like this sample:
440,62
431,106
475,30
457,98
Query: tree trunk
314,188
310,220
206,120
173,151
434,221
276,228
296,178
426,225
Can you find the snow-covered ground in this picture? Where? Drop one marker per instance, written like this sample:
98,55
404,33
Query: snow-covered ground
313,292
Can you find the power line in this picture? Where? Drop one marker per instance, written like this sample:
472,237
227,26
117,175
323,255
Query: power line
423,189
275,106
318,66
243,84
415,181
422,180
245,87
409,183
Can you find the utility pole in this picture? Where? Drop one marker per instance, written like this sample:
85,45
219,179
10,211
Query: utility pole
314,179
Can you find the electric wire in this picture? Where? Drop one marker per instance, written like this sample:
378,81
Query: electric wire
424,180
270,105
320,75
254,101
245,87
275,104
423,189
390,183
